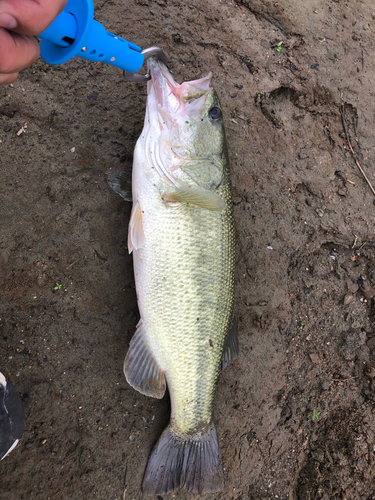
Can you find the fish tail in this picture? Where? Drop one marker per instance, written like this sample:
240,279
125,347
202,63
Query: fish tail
191,462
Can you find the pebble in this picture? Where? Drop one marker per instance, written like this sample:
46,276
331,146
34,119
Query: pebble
348,298
368,291
314,357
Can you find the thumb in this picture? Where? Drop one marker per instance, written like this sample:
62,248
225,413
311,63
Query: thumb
7,21
16,52
29,17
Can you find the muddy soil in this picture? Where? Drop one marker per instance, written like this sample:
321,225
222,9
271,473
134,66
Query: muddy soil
295,412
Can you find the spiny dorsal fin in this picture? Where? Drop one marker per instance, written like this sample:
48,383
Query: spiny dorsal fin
136,236
141,369
198,196
230,350
121,183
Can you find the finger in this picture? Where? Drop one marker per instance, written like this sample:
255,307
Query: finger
17,51
29,17
6,79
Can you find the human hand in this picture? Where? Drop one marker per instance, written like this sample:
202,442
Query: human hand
20,22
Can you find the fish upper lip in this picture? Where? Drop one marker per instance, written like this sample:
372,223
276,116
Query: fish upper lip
168,91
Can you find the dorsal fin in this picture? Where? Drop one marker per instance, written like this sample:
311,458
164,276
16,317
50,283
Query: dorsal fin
230,350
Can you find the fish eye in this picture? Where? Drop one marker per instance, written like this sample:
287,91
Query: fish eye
214,113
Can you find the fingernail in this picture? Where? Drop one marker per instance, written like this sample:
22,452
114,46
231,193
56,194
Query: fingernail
7,21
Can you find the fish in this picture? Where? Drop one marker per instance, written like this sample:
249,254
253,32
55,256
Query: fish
182,236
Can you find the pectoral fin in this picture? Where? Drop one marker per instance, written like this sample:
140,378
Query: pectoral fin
198,196
141,369
136,236
121,183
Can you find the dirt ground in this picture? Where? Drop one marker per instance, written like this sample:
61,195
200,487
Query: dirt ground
295,412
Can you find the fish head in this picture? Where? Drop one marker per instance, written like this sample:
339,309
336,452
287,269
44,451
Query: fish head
188,117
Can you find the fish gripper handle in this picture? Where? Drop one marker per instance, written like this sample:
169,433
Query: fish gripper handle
75,33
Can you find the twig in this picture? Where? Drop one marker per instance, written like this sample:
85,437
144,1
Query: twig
72,264
363,244
352,150
355,241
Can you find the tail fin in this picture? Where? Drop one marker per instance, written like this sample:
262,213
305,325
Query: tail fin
191,462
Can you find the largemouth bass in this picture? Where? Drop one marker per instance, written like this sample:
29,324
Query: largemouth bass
181,234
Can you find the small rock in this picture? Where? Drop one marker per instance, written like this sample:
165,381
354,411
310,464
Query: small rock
9,109
370,370
371,343
7,128
368,291
314,357
334,254
314,437
348,298
352,287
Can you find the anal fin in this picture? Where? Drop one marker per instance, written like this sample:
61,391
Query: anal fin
141,369
230,350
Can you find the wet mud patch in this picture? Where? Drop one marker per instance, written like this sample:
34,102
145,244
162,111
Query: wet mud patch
330,404
340,458
286,105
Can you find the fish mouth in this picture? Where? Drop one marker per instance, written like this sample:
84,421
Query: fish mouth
170,97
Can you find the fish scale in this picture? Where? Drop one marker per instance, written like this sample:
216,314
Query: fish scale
169,278
172,305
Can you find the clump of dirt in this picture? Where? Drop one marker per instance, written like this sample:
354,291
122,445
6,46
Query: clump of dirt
295,412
